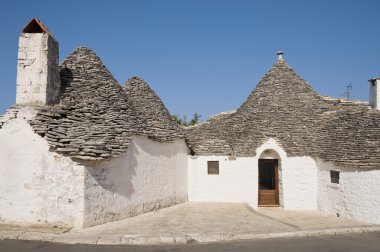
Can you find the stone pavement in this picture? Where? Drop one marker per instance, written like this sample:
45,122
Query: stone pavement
198,222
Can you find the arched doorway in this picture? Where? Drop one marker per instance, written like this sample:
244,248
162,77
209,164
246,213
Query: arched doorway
268,179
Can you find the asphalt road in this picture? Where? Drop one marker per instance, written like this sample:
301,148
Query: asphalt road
347,243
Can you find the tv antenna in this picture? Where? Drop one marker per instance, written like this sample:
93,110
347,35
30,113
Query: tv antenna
347,95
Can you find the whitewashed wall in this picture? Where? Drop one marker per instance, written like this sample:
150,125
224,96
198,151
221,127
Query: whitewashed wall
300,183
238,179
37,187
357,196
149,176
236,182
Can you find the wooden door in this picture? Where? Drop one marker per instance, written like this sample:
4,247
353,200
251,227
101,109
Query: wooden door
268,182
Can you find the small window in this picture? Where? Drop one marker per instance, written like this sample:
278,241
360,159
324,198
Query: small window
213,167
334,176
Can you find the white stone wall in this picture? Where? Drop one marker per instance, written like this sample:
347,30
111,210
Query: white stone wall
238,179
37,69
149,176
236,182
300,183
357,196
37,187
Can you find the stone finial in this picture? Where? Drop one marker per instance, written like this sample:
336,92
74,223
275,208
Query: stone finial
279,54
374,93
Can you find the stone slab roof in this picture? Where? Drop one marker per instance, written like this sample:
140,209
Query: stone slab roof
96,118
151,108
284,106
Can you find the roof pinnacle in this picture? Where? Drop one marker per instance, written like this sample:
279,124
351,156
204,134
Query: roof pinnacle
279,54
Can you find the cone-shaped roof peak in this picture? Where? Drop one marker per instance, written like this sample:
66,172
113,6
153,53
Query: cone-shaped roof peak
149,104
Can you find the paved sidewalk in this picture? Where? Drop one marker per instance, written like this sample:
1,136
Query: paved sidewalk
199,222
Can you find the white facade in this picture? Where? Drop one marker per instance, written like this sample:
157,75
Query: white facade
37,187
236,182
238,179
40,187
304,184
357,196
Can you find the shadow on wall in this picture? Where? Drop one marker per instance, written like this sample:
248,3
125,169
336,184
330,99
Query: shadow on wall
140,180
115,175
108,188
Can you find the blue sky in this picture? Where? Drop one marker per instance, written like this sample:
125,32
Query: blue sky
207,56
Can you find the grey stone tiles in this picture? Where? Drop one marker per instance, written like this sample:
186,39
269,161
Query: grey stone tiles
285,107
95,118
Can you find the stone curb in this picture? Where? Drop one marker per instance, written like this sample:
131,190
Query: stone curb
80,238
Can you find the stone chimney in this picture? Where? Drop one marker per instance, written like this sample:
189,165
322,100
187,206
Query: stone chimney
38,81
374,93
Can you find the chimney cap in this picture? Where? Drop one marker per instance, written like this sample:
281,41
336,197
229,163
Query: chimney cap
35,26
374,79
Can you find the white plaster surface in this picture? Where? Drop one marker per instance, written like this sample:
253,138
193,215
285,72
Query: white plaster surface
149,176
300,183
357,196
37,187
37,69
238,179
236,182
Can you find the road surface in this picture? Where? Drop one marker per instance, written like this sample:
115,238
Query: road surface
347,243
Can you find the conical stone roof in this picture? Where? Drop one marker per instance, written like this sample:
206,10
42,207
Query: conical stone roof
95,119
150,107
284,106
